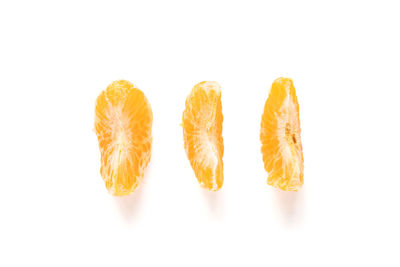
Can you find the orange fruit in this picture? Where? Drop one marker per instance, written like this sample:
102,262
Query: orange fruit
280,137
202,134
123,122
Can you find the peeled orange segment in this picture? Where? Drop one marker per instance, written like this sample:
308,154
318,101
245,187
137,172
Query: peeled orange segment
202,134
280,137
123,122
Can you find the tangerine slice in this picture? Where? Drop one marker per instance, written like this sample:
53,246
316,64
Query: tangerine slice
202,134
123,123
280,137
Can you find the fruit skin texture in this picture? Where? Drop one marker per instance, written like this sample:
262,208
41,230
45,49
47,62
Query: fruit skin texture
123,123
202,134
280,137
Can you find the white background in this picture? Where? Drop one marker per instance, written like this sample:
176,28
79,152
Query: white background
344,60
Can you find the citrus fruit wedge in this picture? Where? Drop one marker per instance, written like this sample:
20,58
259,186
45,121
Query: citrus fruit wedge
123,123
280,137
202,134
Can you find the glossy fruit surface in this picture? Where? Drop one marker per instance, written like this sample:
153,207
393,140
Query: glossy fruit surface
280,137
123,123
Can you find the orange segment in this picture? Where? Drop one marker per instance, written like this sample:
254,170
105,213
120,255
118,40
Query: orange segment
202,133
280,137
123,121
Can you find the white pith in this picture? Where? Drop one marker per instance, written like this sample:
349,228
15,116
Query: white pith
208,157
120,145
290,155
211,86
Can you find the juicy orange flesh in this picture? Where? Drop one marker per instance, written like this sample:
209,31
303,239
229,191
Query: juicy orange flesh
280,137
123,121
202,133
